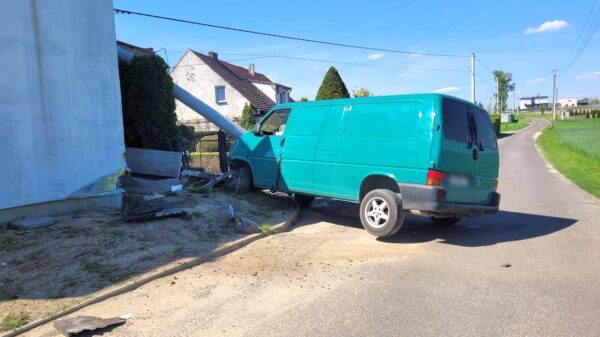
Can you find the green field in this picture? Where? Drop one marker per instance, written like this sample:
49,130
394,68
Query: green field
573,148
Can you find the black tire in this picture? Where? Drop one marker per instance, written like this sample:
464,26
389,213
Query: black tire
304,200
389,206
243,182
445,221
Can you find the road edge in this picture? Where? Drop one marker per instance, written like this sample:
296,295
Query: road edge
150,276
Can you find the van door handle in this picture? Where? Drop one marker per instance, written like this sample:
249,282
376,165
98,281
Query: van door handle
281,142
475,154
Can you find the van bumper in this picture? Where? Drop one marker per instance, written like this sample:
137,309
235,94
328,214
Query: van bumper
431,199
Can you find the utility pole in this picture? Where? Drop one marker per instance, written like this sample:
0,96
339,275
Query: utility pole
473,78
497,95
554,98
514,106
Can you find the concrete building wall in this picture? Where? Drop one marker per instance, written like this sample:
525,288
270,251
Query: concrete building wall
567,102
193,75
267,89
61,131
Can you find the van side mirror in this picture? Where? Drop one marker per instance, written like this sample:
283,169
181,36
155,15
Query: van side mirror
256,129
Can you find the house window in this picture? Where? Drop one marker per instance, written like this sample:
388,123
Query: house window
282,97
220,94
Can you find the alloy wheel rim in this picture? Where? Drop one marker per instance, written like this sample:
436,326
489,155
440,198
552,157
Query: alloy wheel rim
377,212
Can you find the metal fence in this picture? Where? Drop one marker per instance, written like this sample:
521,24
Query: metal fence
205,150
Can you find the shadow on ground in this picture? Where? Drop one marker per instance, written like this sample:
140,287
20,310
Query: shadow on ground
505,226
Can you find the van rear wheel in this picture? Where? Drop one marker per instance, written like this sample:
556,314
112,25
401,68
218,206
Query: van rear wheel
381,213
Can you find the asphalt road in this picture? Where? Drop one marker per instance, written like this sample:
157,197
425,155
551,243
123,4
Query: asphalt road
328,277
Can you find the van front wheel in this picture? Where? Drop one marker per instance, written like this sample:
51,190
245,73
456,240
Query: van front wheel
381,213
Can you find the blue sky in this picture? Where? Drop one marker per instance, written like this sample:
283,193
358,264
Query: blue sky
526,38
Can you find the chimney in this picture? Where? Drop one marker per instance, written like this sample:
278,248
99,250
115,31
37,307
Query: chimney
251,68
213,55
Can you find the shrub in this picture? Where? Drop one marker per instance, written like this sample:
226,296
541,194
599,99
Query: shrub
208,143
148,103
496,122
247,121
186,131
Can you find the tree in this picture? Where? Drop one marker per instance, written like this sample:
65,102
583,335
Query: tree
186,131
332,86
505,85
247,121
361,92
148,103
303,99
542,109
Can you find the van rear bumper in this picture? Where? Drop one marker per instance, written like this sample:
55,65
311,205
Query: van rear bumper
431,199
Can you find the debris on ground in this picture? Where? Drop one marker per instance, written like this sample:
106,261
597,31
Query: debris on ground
74,325
506,265
32,222
140,207
242,224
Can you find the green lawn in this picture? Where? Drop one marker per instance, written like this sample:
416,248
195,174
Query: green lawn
522,120
573,148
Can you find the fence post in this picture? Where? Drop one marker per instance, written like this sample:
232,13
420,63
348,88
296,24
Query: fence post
222,151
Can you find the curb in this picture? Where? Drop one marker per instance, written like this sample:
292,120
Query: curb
218,252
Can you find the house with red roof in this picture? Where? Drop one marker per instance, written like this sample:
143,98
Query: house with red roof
225,87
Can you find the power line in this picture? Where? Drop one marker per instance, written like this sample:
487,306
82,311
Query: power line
484,66
583,39
122,11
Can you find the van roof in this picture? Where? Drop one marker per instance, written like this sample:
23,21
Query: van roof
421,96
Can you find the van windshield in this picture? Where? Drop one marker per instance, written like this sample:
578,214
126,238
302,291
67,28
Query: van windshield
455,116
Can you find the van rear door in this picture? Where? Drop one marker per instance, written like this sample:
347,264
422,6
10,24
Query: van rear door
488,161
457,159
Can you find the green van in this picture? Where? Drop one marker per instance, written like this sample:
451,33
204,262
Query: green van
428,154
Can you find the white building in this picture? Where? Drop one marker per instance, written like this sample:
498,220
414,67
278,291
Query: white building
61,132
534,103
225,87
566,102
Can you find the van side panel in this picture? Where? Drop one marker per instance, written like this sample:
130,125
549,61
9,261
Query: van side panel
301,137
391,138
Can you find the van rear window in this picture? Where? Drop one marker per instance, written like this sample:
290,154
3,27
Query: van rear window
485,131
456,122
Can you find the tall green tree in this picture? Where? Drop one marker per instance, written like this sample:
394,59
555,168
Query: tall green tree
303,99
247,120
505,85
148,103
332,86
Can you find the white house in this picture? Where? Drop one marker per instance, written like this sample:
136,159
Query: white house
225,87
61,132
566,102
534,103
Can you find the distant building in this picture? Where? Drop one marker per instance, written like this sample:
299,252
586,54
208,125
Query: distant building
566,102
225,87
534,103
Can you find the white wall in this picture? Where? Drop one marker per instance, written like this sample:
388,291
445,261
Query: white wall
61,131
193,75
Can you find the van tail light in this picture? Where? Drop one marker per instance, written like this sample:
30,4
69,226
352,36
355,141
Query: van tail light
435,178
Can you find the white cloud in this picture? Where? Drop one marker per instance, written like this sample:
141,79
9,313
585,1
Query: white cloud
536,81
548,26
447,90
375,56
594,75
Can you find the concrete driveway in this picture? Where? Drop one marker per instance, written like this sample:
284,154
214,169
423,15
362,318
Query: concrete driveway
531,270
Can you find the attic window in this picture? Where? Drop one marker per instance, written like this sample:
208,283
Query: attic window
220,94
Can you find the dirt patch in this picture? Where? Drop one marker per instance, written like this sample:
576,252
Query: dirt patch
45,270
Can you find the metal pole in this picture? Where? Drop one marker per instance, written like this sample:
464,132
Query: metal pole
497,94
473,78
554,98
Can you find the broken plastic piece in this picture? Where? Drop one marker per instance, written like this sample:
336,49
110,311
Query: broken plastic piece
74,325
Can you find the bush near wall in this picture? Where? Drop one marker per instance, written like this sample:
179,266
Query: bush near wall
496,122
148,103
